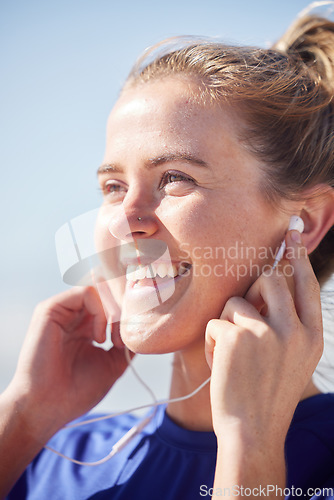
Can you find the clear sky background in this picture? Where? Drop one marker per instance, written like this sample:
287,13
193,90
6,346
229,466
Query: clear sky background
62,66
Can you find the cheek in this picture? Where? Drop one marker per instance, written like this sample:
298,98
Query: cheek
186,217
199,223
224,243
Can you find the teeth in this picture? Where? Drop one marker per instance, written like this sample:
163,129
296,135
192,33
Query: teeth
140,272
150,272
136,273
162,270
172,271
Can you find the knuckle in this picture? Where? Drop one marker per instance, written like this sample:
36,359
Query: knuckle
215,328
231,304
89,291
212,326
212,323
43,307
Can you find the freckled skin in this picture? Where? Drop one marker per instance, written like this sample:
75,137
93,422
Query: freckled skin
223,205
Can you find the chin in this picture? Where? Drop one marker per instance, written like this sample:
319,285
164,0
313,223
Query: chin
146,335
161,334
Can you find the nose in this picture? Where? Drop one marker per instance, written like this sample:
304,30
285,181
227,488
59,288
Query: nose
134,218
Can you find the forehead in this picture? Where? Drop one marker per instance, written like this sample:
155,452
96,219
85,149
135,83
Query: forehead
166,114
179,97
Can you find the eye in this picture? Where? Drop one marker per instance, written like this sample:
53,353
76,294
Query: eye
114,189
175,177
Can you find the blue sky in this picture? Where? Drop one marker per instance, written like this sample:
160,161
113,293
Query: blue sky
62,65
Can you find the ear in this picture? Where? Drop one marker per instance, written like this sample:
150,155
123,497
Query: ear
317,214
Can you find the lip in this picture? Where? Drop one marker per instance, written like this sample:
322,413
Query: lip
147,251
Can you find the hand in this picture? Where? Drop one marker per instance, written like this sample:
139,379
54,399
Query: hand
262,351
61,374
262,361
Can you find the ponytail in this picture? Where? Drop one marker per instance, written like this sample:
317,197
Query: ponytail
310,40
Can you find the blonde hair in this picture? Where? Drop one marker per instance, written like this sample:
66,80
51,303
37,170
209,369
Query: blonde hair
285,96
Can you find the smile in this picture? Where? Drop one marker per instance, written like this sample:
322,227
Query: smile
151,284
141,274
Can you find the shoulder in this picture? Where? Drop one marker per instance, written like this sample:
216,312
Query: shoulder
314,415
89,443
160,450
310,442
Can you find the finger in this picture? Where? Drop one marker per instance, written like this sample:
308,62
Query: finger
214,328
116,335
65,309
307,289
246,317
111,309
239,311
92,303
253,296
272,291
72,299
110,306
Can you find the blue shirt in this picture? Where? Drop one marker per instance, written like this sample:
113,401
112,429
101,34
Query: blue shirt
167,462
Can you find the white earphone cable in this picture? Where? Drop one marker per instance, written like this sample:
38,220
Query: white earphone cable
134,430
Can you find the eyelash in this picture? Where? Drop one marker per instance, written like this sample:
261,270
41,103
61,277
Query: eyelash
167,175
181,178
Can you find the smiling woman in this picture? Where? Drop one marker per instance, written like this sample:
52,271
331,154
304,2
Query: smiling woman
208,147
161,120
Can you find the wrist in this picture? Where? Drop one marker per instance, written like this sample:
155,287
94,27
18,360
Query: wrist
26,416
20,441
250,432
247,462
238,445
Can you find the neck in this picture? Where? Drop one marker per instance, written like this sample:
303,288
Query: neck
190,370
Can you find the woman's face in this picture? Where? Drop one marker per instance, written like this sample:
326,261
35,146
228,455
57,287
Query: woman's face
175,173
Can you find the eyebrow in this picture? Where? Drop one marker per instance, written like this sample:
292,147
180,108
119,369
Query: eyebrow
157,161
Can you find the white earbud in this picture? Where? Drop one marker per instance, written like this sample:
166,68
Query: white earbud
295,223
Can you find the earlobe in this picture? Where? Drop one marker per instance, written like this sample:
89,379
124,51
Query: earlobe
318,215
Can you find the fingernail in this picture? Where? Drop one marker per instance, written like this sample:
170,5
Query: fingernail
296,237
